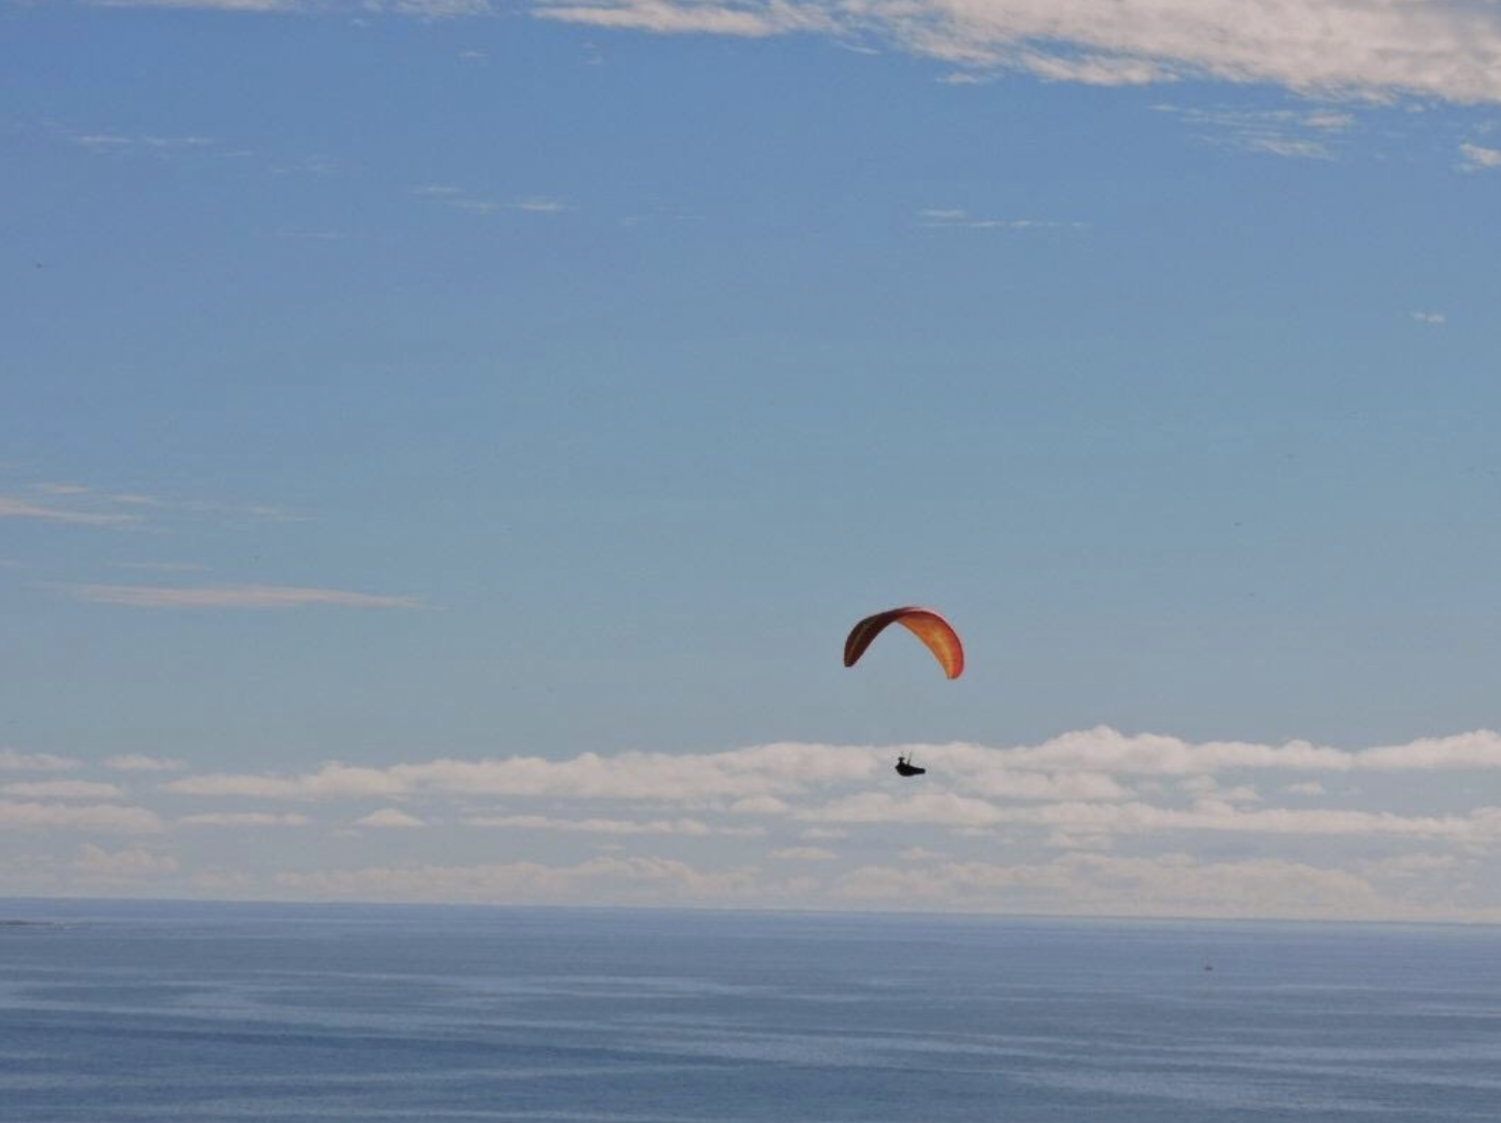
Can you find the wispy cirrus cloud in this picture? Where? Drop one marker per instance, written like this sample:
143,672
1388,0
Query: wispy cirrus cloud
1354,49
234,596
1296,132
120,142
160,566
533,206
1369,49
953,218
440,9
14,508
86,505
214,5
690,17
459,199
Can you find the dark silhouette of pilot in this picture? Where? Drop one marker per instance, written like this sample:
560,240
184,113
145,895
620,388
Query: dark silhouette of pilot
905,767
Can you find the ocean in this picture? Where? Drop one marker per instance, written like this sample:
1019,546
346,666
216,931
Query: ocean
152,1011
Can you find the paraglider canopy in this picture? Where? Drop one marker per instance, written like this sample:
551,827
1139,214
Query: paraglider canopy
935,632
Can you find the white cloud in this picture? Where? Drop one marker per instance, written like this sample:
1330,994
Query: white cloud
99,142
1448,49
954,811
946,218
103,503
1182,884
533,206
1328,120
235,596
12,508
1208,815
159,566
1108,751
1207,787
235,819
804,854
824,833
62,789
440,9
390,818
1474,157
760,805
680,17
921,854
100,818
211,5
116,142
1288,146
1088,839
1432,319
13,761
737,774
97,864
944,808
1163,885
1081,767
1360,49
135,499
1095,793
605,879
1077,838
690,827
1296,132
140,762
332,781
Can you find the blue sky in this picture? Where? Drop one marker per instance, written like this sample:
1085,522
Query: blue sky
420,383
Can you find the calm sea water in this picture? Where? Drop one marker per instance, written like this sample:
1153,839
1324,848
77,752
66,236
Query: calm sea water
149,1012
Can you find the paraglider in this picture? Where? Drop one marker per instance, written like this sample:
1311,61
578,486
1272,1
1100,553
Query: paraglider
936,633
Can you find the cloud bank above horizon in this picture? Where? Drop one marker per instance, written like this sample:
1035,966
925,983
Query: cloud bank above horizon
1092,821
